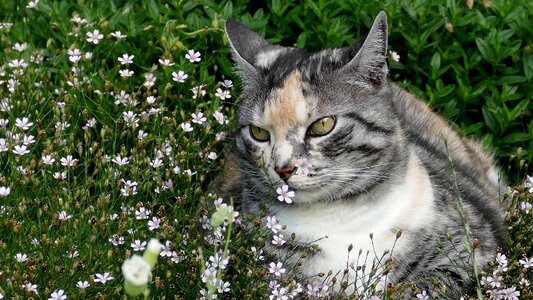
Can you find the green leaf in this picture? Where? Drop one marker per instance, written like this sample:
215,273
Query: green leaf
511,79
486,50
518,109
515,138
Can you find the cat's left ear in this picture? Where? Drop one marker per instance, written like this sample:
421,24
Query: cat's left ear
369,66
250,50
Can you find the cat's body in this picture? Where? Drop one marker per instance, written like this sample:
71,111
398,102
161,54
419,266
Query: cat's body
379,161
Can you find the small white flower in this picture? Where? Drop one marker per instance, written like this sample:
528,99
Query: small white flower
165,62
30,287
120,161
227,83
198,91
222,94
303,166
64,216
179,77
23,123
423,296
142,213
278,240
212,156
276,268
103,278
137,245
125,73
4,191
68,161
198,118
150,80
79,21
118,35
186,127
32,4
20,150
94,37
284,194
394,56
272,224
82,284
4,146
193,56
221,119
58,295
21,257
126,59
154,223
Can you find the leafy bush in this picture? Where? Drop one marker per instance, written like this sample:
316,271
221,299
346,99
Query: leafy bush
106,158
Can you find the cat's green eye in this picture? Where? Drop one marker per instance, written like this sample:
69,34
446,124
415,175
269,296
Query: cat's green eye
322,126
259,134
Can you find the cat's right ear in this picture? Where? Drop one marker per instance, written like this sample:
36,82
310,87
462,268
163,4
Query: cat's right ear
250,50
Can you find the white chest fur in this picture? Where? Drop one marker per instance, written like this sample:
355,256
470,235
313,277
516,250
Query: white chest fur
407,206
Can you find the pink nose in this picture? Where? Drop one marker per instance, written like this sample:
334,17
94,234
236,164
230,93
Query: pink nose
285,172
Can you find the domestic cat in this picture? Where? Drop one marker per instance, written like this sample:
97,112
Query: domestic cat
377,161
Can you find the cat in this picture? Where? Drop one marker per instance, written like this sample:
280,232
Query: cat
381,171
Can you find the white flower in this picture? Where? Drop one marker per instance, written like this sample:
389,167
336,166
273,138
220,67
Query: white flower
303,166
58,295
151,99
20,150
525,206
423,296
32,4
21,257
23,123
154,223
193,56
126,59
4,146
142,213
526,262
276,268
278,240
394,56
125,73
4,191
64,216
120,161
78,20
186,127
212,156
220,118
94,37
179,77
227,83
30,287
150,80
82,284
118,35
284,195
137,245
165,62
222,94
198,118
136,273
103,278
68,161
272,224
198,91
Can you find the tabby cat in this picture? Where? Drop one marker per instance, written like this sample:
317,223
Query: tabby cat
377,161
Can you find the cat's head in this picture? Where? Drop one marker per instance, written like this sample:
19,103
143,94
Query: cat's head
323,122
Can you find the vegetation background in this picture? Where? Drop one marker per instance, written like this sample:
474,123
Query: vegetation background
471,61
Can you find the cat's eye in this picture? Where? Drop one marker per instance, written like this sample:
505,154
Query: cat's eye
259,134
322,126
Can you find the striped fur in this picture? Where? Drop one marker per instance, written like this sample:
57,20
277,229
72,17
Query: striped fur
384,167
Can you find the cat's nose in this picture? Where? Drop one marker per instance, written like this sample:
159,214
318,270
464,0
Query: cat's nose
285,172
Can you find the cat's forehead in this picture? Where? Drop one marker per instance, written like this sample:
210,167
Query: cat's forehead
288,106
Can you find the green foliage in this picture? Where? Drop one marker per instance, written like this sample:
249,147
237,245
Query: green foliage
473,65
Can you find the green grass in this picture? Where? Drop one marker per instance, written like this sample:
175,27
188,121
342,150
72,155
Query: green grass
70,223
